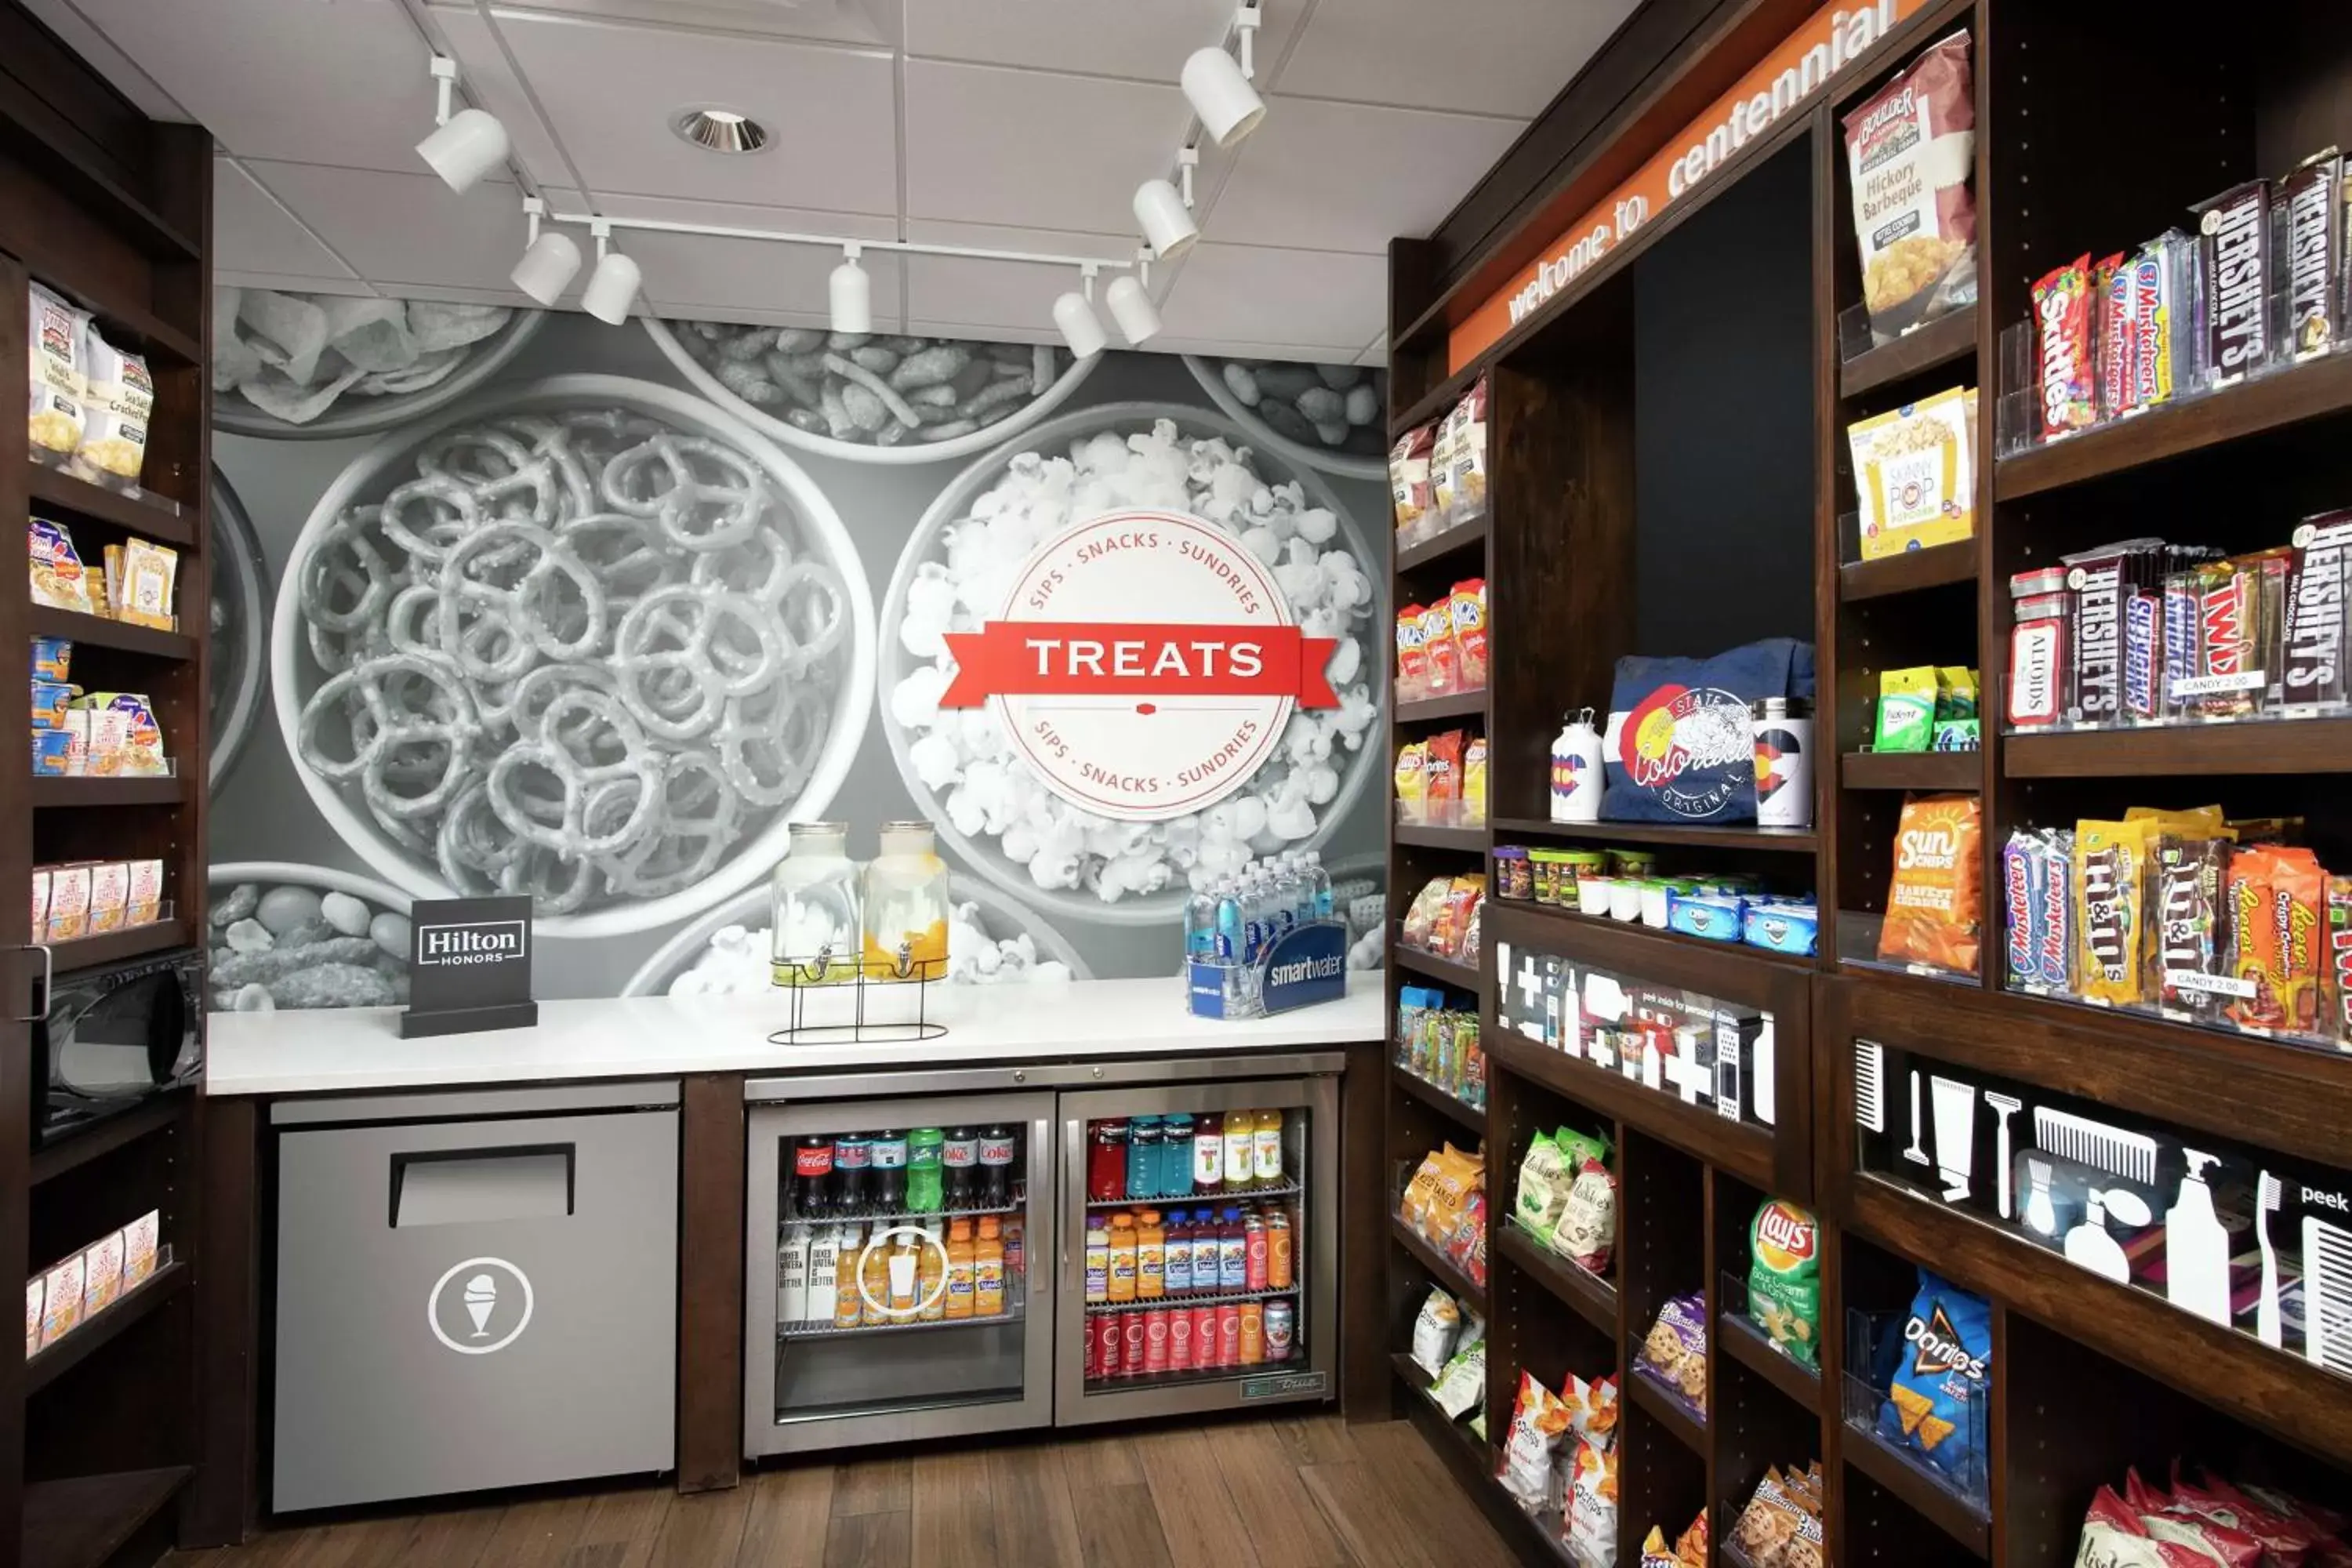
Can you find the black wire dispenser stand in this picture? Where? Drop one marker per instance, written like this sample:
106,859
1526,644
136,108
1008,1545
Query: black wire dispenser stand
810,980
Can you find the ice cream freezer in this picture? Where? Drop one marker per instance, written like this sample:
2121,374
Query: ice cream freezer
934,1254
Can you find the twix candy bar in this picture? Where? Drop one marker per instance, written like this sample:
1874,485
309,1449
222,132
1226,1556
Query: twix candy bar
2319,602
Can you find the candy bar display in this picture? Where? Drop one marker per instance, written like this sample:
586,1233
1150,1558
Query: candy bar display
1624,885
1441,782
2144,633
61,1297
1915,469
2245,1238
2208,1520
1566,1197
1781,1525
2258,287
92,898
1439,1044
1700,1050
1444,1204
2184,916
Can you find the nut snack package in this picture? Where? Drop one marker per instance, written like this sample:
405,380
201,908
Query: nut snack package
1911,152
1935,904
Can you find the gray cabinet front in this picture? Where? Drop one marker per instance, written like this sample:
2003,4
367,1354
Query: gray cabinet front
465,1304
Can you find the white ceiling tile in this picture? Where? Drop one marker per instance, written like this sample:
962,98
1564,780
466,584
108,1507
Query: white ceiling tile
490,81
830,21
1492,57
610,92
397,229
982,332
717,277
1005,294
1249,293
1341,177
1145,39
325,81
1033,149
252,233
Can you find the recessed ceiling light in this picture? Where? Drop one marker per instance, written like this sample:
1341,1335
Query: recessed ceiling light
721,129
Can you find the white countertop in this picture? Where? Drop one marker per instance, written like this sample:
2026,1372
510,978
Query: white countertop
338,1050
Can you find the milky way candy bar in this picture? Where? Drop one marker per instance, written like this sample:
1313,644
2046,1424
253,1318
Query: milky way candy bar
2319,604
2236,230
2312,254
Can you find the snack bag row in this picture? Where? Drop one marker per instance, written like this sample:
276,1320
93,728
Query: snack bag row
69,1293
1441,647
2210,1520
1444,919
1443,780
1445,1204
90,401
1566,1197
90,898
1781,1525
134,581
98,734
1437,472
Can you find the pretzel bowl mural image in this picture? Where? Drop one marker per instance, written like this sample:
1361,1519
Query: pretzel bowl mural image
579,621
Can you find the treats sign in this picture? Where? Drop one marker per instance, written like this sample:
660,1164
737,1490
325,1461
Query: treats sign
1144,663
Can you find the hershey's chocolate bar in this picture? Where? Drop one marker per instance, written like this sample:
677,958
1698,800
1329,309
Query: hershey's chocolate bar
2318,607
2236,228
2312,254
2101,580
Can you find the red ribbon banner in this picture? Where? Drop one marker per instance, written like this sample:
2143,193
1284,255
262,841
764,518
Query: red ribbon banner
1078,658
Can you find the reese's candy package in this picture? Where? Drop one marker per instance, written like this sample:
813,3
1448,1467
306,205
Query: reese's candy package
1784,1278
1935,903
2277,909
1936,1403
2111,872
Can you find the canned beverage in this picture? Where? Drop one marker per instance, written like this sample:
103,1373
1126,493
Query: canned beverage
1253,1345
1105,1345
1155,1340
1278,1250
1204,1338
1281,1329
1255,1259
1229,1336
1180,1340
1131,1349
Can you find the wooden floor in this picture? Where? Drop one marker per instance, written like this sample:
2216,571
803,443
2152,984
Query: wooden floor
1312,1493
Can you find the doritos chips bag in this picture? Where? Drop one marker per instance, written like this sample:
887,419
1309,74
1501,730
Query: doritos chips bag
1936,1403
1935,904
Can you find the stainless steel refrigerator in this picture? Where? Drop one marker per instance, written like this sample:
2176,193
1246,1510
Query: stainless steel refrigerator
934,1254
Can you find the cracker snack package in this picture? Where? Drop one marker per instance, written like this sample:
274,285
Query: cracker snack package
117,399
1784,1278
55,337
1911,150
1409,482
2112,869
1935,1401
1935,903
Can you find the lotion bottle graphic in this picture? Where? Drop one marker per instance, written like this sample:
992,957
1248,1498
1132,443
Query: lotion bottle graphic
481,1301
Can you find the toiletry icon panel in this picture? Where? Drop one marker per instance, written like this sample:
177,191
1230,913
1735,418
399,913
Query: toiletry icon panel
2238,1235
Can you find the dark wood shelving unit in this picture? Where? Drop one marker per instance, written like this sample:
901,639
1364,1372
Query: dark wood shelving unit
112,211
1454,705
1738,1337
1689,1428
1430,967
1953,1516
1794,840
2282,746
1926,771
1461,537
1440,1269
1939,342
1908,572
1472,840
1463,1113
1593,1297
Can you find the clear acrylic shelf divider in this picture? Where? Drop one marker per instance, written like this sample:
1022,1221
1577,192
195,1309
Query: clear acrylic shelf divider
1875,1345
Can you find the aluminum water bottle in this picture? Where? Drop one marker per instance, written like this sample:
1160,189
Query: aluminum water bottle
1784,763
1576,781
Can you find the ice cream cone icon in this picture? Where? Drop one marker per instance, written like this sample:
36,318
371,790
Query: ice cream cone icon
481,1299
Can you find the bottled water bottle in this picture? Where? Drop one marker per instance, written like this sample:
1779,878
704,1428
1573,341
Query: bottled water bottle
1200,932
1318,885
1231,942
1285,882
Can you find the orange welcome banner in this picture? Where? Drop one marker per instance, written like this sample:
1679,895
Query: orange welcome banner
1833,39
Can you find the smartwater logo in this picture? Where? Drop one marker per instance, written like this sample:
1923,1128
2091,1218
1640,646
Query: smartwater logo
1306,969
475,941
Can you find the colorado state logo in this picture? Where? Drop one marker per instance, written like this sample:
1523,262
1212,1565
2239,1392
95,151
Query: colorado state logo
1144,663
1691,748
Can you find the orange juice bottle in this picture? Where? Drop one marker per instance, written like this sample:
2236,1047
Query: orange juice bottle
988,1270
874,1267
848,1308
958,1302
1122,1257
1151,1255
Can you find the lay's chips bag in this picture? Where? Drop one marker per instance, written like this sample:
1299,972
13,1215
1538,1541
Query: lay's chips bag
1784,1278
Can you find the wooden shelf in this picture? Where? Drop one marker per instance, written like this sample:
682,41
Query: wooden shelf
83,1521
80,1145
151,518
1438,547
1743,1151
1437,400
88,792
1453,705
1907,572
47,1366
97,631
1670,1412
1440,1269
1744,1343
2282,746
1464,1114
1645,950
1747,835
1464,976
1868,1452
1471,839
111,947
1589,1295
124,209
1941,341
2282,398
1944,771
1410,1373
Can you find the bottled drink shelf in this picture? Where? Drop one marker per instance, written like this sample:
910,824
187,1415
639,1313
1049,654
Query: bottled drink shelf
1188,1300
906,1216
1244,1194
1013,1314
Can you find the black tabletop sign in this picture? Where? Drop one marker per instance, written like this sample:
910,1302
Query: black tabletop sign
468,967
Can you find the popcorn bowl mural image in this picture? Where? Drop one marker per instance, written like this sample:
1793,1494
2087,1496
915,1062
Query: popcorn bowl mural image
1108,780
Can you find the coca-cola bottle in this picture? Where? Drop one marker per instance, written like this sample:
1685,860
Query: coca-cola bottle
996,1150
812,1177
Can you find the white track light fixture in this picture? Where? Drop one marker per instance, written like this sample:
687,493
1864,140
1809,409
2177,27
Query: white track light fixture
1166,218
613,286
1081,329
851,291
551,261
1130,298
468,145
1218,86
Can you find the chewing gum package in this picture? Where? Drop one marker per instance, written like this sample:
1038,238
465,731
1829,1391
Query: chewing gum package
2111,874
2277,909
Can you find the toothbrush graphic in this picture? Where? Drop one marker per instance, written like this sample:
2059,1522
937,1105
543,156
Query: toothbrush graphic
1917,1152
2268,1196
